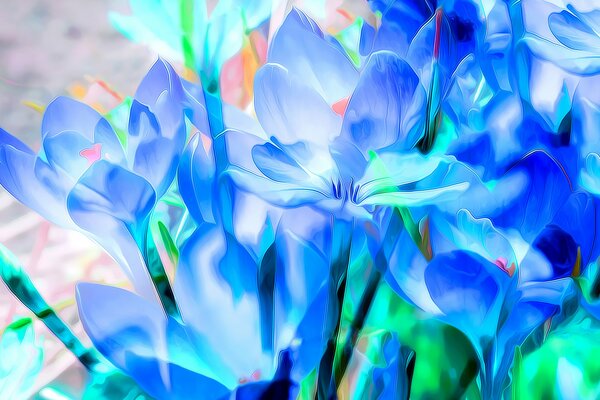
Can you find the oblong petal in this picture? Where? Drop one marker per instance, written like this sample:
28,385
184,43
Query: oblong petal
32,181
376,113
301,47
290,109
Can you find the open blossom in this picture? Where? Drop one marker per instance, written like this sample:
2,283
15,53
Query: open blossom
88,177
253,337
340,139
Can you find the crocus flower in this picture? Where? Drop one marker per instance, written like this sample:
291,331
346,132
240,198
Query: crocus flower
498,286
340,155
473,283
89,178
254,329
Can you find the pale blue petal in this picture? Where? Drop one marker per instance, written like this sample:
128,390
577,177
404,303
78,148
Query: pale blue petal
277,165
196,179
216,289
138,338
574,33
291,110
590,175
413,198
576,61
32,181
224,38
389,170
283,194
112,205
300,47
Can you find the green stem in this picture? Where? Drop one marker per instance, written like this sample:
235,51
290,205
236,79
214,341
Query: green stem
19,283
159,277
187,27
356,327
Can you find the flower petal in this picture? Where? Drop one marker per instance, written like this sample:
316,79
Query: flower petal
136,336
469,290
291,110
301,48
32,181
377,113
216,288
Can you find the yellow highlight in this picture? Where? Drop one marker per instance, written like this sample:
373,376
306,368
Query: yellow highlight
36,106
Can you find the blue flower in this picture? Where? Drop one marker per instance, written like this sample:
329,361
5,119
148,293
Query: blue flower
480,291
499,276
340,140
88,178
247,328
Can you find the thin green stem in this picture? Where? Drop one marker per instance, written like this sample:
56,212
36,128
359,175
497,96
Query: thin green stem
159,276
19,283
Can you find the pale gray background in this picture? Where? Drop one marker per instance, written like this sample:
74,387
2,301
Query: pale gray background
47,45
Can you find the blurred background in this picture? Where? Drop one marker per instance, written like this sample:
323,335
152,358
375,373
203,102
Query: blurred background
48,49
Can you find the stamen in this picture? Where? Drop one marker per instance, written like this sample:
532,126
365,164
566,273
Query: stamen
92,154
340,106
502,263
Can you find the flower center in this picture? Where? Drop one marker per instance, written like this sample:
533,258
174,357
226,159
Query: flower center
502,263
345,192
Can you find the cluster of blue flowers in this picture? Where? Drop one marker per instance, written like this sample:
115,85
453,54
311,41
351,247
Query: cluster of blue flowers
455,160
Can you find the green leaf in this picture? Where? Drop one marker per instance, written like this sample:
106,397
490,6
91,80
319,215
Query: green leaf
170,247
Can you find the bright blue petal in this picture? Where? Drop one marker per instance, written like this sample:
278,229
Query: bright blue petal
195,106
541,188
162,92
391,379
379,109
157,126
469,290
576,218
399,23
535,303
